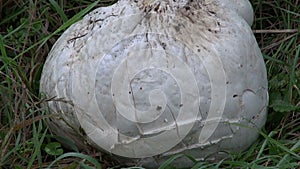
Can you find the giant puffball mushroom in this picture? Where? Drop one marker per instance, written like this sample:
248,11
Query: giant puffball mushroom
145,80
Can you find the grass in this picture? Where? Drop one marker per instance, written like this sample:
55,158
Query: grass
29,28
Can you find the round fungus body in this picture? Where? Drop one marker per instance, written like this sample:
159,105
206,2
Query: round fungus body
145,80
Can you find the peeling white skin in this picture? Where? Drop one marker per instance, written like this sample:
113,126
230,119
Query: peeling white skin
151,79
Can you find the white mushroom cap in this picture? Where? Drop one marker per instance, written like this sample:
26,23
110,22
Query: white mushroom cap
149,79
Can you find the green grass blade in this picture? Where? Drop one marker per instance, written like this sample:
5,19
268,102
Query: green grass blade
273,59
293,71
169,161
262,148
2,49
283,160
278,144
79,155
59,10
38,144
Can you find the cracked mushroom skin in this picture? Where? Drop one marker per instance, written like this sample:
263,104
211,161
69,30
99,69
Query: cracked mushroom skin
145,80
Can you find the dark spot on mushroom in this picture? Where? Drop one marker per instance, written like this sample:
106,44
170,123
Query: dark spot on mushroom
235,95
141,88
164,45
199,50
187,8
156,8
181,105
212,12
158,108
177,28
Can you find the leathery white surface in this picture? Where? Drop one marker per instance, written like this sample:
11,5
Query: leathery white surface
145,80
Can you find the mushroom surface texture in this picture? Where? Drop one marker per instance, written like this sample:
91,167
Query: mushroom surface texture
145,80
